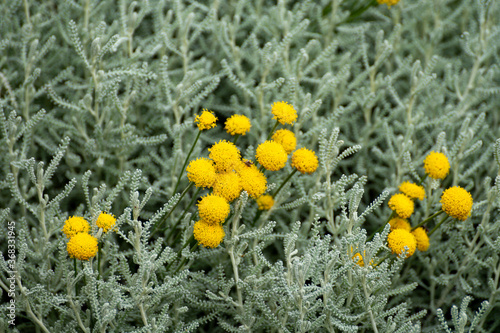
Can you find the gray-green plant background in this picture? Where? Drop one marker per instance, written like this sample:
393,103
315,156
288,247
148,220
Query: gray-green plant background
97,104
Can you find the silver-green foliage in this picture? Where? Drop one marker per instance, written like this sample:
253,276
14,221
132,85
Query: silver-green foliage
97,102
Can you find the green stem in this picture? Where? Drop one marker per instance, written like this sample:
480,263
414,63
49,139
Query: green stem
76,273
382,227
183,262
186,161
272,131
182,248
182,215
438,225
173,208
427,220
284,182
360,11
236,138
422,179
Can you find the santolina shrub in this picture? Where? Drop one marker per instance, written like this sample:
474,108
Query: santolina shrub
252,166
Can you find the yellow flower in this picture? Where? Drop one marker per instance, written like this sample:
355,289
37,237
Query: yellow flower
456,202
82,246
398,239
284,113
389,3
305,160
399,223
413,191
206,120
238,124
357,257
225,155
421,238
285,138
207,234
75,225
213,209
201,172
227,185
436,165
105,221
271,155
265,202
252,180
402,205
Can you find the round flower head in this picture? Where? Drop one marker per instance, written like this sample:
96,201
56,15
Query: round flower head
208,235
413,191
238,125
456,202
285,138
284,113
389,3
422,239
105,221
399,223
227,185
305,160
402,205
436,165
265,202
206,120
225,155
75,225
252,180
82,246
398,239
213,209
201,172
271,155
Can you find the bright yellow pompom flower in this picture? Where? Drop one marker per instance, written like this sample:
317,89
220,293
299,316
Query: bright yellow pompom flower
265,202
285,138
422,239
457,202
238,125
252,180
225,155
206,120
402,205
399,223
213,209
436,165
413,191
271,155
82,246
75,225
284,113
389,3
305,160
201,172
398,239
227,185
105,221
207,234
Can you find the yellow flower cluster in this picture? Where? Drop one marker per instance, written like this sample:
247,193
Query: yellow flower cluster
228,174
399,223
81,244
238,125
206,120
436,165
402,205
457,202
105,221
271,155
398,239
422,239
413,191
